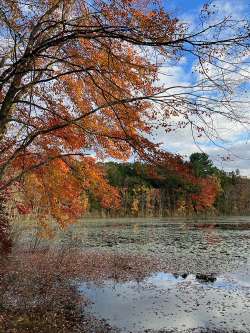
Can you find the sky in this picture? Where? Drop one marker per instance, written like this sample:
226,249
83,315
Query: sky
234,139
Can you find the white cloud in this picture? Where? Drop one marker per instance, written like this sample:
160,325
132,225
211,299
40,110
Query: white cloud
230,137
239,157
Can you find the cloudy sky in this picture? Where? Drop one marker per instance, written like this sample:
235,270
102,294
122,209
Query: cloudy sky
234,138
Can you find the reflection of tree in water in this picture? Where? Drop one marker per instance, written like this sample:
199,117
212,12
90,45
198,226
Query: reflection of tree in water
206,277
202,278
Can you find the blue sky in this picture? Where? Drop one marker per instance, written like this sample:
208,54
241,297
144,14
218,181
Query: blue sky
234,138
181,6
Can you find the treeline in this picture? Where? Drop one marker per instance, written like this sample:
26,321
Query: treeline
234,198
149,191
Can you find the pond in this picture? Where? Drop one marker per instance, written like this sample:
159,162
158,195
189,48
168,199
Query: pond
216,245
205,282
206,285
171,302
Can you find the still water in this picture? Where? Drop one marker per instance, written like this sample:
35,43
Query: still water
216,245
206,283
166,301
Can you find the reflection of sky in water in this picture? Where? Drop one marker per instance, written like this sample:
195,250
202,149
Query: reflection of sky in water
169,301
181,301
230,281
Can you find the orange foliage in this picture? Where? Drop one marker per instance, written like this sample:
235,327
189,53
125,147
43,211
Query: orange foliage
61,191
209,190
78,77
83,98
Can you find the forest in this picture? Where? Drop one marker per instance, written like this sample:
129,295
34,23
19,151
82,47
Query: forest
148,191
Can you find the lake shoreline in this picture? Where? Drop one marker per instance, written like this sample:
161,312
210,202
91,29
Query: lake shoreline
198,270
97,268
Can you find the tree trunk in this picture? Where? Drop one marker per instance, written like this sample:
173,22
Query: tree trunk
5,238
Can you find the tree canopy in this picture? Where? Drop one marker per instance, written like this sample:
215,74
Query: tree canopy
79,82
202,165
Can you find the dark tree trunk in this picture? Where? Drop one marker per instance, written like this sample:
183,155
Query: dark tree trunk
5,238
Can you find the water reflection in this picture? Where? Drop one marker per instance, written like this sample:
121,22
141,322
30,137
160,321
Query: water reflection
191,297
172,301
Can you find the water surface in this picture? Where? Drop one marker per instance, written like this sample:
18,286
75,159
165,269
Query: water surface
206,281
186,245
167,301
207,284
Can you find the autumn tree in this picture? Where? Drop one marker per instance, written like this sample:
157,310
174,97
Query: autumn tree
80,78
